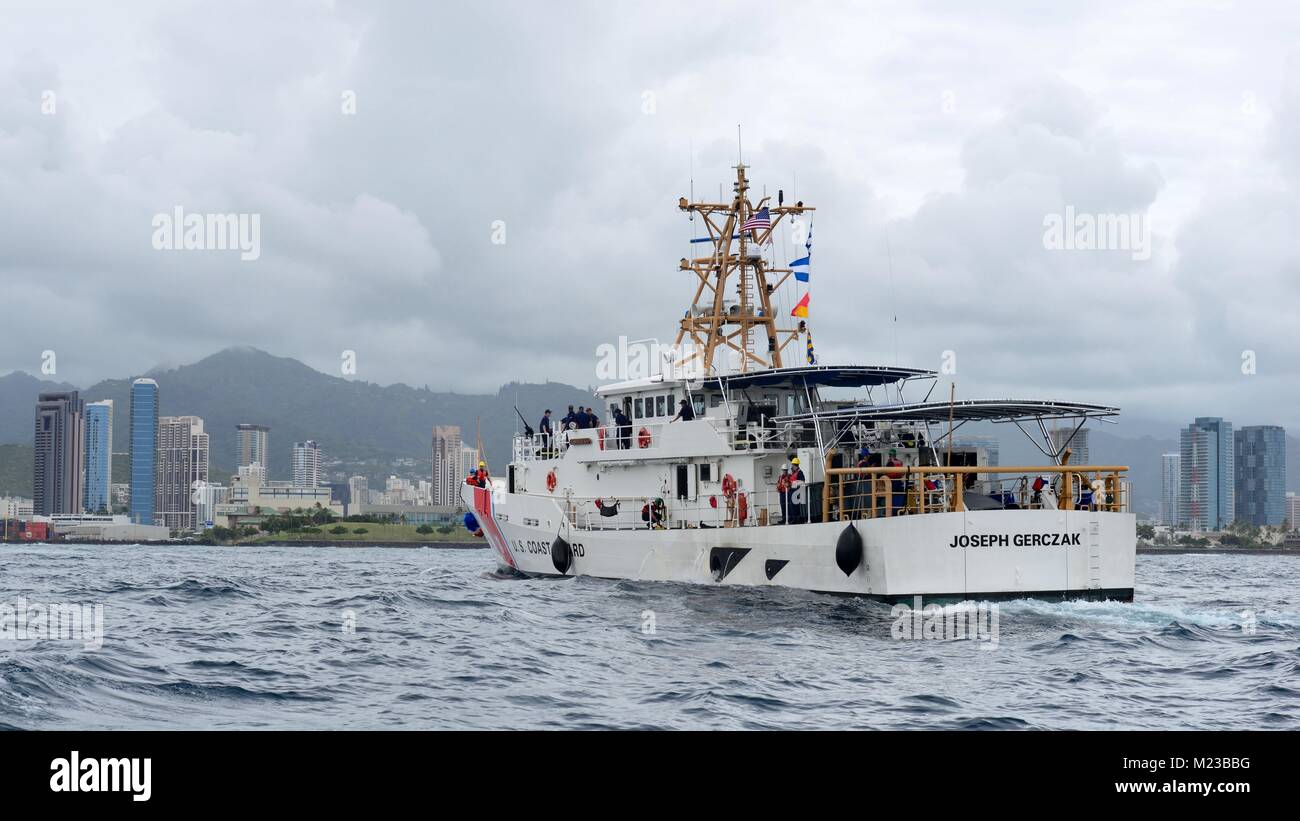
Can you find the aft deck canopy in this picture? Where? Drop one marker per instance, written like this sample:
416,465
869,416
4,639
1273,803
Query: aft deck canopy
812,376
826,376
968,410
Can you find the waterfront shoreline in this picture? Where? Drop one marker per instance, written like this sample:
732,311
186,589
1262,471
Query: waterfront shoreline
1152,550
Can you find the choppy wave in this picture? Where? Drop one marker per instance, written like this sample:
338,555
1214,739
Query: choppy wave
373,638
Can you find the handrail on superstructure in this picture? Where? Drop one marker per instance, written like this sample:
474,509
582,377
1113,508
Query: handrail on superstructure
881,491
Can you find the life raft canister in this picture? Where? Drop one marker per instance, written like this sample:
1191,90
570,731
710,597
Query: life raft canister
551,481
643,438
742,508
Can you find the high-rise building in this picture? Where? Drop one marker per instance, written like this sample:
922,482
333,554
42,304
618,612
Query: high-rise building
206,498
447,464
1259,456
1293,511
1207,498
58,469
15,507
306,464
1171,481
144,450
358,493
99,456
250,446
120,494
1075,440
182,470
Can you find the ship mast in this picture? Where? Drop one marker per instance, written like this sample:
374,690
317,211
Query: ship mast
740,320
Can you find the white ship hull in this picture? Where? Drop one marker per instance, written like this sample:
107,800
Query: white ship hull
978,555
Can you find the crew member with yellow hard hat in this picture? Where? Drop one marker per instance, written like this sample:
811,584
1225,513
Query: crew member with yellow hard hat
798,494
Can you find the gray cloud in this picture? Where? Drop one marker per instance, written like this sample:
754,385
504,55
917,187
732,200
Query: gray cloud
933,138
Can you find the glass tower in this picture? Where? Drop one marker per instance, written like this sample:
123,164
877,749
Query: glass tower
1261,474
99,455
1207,499
144,449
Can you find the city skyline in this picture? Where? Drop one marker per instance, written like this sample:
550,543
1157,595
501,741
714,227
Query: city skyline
1220,500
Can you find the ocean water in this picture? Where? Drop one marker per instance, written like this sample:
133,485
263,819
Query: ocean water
337,638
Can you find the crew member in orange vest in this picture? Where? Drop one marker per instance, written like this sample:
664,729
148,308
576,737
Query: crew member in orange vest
783,493
481,478
798,494
899,487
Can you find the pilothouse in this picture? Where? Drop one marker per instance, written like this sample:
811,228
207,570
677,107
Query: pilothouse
747,462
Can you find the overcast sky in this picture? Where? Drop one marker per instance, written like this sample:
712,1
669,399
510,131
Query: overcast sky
934,139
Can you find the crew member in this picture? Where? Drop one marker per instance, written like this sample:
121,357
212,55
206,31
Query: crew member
624,428
544,427
481,477
652,513
685,412
568,419
859,489
798,493
783,493
898,486
580,419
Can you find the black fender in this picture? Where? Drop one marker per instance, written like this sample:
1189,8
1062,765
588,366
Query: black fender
561,555
848,550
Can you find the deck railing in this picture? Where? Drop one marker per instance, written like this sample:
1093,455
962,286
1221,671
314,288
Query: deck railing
744,509
629,441
867,493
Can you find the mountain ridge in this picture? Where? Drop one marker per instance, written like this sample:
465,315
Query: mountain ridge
367,425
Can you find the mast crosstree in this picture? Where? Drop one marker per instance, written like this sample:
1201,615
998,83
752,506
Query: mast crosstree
740,320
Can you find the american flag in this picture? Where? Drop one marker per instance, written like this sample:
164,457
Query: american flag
759,220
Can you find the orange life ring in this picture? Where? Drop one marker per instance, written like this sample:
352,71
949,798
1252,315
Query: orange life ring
550,481
742,508
728,486
643,438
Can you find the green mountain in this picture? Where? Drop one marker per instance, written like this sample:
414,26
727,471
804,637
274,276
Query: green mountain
16,470
18,392
369,427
